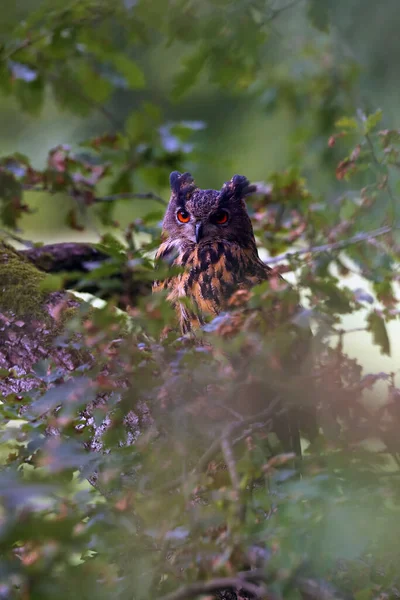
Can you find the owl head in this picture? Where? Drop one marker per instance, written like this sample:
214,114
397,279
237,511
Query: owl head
202,216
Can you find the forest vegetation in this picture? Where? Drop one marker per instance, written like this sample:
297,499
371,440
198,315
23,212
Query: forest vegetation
137,463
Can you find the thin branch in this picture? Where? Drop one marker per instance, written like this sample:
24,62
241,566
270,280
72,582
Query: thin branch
345,331
31,41
216,445
356,239
16,238
226,447
230,430
316,590
279,11
24,44
378,165
99,199
373,154
207,587
128,195
230,463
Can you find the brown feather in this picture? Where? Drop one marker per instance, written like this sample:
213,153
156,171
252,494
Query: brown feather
214,271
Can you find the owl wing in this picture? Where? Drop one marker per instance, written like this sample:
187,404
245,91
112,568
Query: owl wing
177,285
212,274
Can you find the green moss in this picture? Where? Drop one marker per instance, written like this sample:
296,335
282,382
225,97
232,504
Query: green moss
20,291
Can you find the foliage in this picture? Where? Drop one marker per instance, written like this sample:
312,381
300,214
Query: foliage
136,463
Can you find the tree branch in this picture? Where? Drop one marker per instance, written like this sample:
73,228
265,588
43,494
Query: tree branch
63,257
230,463
128,195
78,258
216,445
356,239
234,475
206,587
12,236
379,169
99,199
279,11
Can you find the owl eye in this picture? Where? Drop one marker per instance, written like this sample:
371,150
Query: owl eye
221,217
183,216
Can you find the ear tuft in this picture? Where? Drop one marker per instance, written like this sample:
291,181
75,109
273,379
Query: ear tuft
178,181
174,178
238,187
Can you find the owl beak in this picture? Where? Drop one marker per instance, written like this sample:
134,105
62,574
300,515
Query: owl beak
198,232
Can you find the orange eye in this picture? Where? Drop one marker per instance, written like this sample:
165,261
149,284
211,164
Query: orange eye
183,216
220,217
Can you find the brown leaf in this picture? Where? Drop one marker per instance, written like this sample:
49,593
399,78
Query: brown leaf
343,168
332,141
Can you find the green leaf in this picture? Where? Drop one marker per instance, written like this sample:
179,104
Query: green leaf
10,199
65,96
347,123
334,297
70,395
132,73
111,245
192,68
318,14
142,125
348,209
377,326
17,491
365,594
63,455
52,283
92,83
30,95
372,121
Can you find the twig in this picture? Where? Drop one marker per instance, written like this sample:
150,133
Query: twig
24,44
356,239
260,575
230,463
216,445
279,11
206,587
316,590
128,195
98,199
17,238
230,430
378,165
31,41
345,331
240,508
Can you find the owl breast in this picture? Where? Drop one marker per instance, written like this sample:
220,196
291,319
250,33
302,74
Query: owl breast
213,272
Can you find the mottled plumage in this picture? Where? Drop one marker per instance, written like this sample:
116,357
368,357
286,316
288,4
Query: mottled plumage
219,257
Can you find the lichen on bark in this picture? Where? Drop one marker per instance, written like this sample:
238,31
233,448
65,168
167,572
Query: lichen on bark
30,321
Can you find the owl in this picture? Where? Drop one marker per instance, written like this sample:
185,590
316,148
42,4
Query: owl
208,233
